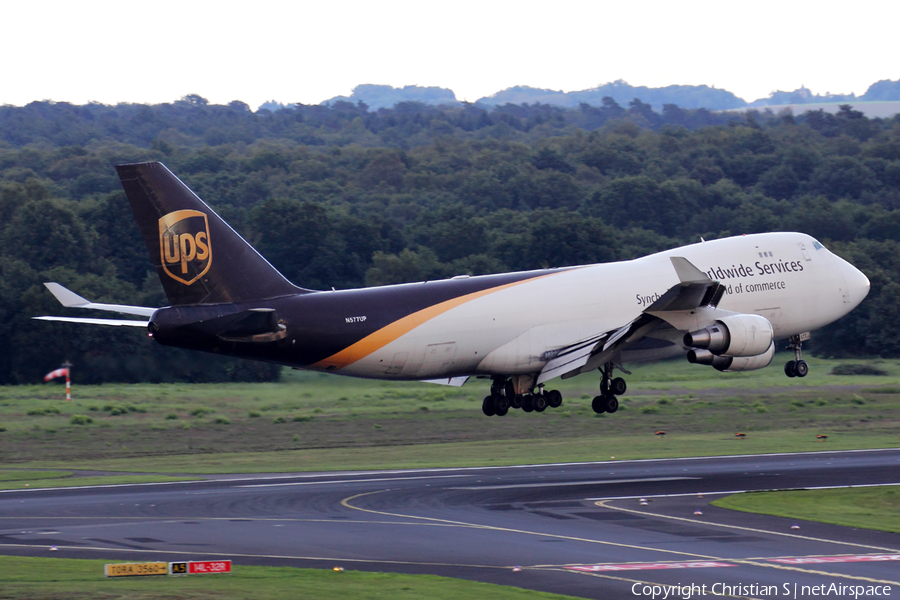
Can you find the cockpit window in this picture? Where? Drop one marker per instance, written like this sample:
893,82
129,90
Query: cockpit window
818,246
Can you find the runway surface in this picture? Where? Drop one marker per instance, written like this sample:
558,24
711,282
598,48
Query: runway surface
576,529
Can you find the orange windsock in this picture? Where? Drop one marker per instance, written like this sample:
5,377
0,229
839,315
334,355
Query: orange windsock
64,372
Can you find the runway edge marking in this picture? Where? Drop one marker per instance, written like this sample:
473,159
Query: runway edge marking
211,477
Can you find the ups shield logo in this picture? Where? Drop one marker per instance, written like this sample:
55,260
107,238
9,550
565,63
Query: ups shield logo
184,245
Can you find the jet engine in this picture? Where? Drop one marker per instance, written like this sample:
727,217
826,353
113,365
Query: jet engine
732,363
733,336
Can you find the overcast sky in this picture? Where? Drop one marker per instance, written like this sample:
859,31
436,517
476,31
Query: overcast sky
151,52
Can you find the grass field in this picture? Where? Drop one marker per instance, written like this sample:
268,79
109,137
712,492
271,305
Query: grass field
311,421
70,579
314,422
868,508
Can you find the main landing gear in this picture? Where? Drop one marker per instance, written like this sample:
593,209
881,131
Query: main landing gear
609,389
503,397
798,366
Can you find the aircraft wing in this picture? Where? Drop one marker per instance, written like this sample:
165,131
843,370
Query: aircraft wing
694,290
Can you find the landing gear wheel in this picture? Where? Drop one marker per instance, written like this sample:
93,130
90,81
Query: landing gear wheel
501,405
606,403
554,399
539,402
612,404
608,385
527,406
798,366
487,407
790,368
515,401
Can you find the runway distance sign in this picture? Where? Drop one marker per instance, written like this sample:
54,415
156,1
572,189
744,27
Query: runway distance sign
199,567
137,569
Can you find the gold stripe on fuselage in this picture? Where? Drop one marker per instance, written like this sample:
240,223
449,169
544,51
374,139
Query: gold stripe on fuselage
387,334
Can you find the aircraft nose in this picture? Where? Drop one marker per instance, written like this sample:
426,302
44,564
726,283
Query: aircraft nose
857,285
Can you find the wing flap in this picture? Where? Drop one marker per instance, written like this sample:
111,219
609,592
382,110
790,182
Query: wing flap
571,358
451,381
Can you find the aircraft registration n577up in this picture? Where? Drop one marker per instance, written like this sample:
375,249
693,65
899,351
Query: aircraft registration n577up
721,303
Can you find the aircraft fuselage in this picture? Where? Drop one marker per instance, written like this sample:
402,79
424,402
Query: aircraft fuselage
512,323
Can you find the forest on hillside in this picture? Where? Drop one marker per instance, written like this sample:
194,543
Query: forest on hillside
341,196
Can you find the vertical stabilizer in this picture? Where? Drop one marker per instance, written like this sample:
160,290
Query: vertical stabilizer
199,258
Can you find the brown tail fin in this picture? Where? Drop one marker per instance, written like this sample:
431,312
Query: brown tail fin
199,258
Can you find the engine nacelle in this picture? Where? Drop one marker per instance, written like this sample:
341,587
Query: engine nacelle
736,335
699,356
732,363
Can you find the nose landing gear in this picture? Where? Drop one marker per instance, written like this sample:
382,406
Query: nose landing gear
798,366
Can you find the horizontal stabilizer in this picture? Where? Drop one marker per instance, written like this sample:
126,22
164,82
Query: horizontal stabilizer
70,299
114,322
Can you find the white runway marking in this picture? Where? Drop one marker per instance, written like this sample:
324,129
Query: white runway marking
812,560
696,564
549,484
263,485
249,477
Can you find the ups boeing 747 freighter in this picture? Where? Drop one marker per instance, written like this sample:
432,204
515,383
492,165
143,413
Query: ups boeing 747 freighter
720,303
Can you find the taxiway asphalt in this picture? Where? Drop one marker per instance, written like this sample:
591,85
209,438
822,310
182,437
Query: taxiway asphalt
576,529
